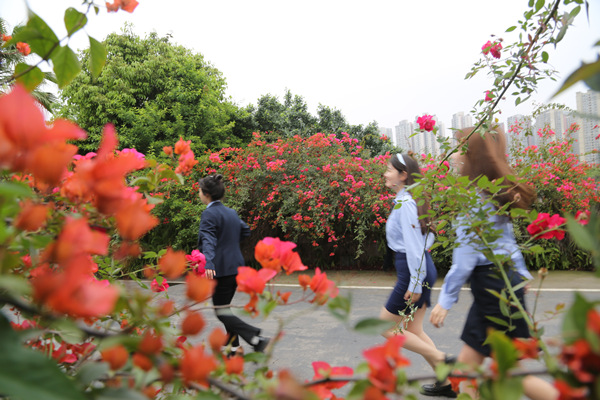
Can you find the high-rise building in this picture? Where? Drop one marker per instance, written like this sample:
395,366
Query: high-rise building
460,120
386,132
588,117
402,133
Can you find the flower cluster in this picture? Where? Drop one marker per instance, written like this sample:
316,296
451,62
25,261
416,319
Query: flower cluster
547,227
426,123
493,48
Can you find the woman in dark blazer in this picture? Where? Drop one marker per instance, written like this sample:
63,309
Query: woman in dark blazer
219,240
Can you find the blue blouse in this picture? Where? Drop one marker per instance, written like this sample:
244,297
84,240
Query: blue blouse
466,257
403,235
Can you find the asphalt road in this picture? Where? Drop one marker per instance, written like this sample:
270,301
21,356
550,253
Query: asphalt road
317,336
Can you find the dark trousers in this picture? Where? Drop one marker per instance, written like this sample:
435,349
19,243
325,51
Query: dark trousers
222,296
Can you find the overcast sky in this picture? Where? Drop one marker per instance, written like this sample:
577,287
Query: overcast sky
377,60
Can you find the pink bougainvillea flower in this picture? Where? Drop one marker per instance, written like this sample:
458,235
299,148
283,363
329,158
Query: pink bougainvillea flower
583,217
493,48
426,122
197,261
546,227
159,287
275,254
489,96
23,48
252,281
384,360
324,370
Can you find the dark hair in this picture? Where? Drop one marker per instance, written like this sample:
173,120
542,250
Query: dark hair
213,186
413,171
486,156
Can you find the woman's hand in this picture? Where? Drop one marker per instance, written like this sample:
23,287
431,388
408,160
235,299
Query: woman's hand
411,297
210,273
438,315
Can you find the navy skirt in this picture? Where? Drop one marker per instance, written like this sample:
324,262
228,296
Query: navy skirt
486,304
396,302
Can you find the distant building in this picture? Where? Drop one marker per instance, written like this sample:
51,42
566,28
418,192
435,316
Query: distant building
587,117
460,120
402,133
386,132
518,132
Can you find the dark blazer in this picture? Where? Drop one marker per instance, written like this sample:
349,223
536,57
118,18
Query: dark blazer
219,239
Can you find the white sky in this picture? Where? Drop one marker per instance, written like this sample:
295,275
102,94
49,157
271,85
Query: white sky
377,60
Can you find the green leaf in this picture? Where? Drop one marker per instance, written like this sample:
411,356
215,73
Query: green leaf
373,326
575,320
12,189
97,57
512,28
119,394
68,331
31,79
74,20
580,234
40,37
545,56
91,371
28,374
14,285
539,4
340,306
585,72
498,321
505,352
66,65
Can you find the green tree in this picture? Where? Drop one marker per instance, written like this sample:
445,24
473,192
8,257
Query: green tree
154,92
11,57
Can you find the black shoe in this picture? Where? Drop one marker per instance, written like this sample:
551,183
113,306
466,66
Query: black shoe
262,344
449,359
436,389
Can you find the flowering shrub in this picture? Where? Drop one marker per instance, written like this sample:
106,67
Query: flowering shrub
323,192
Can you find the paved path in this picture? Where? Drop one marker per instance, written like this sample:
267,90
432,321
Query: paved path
319,336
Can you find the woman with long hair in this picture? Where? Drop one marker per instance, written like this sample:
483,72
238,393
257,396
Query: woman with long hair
485,156
408,237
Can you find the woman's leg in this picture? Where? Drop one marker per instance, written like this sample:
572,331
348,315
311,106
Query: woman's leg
538,389
416,326
473,358
413,341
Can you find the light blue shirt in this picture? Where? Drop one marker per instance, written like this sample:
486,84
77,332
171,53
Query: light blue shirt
466,257
403,235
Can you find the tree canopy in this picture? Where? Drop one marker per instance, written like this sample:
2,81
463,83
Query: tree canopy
154,92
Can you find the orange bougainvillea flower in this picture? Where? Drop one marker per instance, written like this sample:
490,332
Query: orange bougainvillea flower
304,281
217,339
199,288
252,281
192,324
28,145
115,356
384,360
172,264
234,365
32,216
142,361
151,343
75,239
527,348
168,150
276,254
324,370
125,5
182,147
197,365
324,288
134,219
23,48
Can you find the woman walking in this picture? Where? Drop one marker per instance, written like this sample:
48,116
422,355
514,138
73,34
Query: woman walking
407,236
485,156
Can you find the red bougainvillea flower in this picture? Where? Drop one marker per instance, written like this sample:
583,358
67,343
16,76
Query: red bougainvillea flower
527,348
6,38
384,360
304,281
324,370
32,216
115,356
199,288
546,227
159,287
426,122
125,5
581,360
566,392
28,144
275,254
593,322
217,339
324,288
583,217
172,264
252,281
374,393
197,365
142,361
23,48
151,343
197,261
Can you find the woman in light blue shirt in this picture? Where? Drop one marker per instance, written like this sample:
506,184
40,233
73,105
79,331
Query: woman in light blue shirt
409,238
485,156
